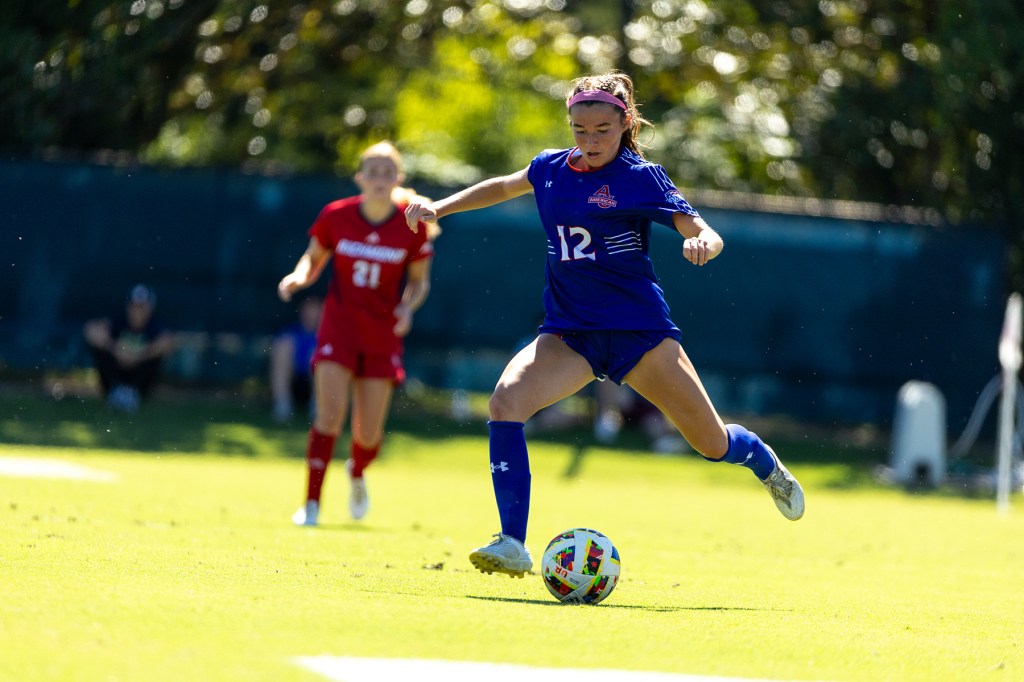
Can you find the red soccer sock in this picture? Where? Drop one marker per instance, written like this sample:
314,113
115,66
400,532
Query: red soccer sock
361,458
319,451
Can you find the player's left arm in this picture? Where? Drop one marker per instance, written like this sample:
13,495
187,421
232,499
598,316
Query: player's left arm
417,286
481,195
700,242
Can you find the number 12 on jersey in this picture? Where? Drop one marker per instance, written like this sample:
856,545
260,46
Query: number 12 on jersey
582,240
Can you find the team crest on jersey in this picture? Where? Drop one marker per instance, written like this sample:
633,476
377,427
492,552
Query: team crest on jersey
603,198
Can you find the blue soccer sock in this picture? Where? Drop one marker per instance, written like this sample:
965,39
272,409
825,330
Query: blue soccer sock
746,449
510,474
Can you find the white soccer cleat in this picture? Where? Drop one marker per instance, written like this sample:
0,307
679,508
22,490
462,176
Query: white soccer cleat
308,514
504,555
358,498
785,490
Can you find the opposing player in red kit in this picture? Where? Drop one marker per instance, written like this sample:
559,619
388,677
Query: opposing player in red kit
381,277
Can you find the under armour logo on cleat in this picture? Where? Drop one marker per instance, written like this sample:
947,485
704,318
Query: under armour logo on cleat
501,466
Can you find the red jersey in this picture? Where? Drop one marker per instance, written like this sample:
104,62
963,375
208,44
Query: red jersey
370,262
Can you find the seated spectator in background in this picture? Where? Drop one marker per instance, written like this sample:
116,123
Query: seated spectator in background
128,349
291,380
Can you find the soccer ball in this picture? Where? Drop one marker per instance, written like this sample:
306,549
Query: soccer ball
580,566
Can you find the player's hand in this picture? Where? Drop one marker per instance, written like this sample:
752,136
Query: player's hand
286,287
417,210
696,250
403,321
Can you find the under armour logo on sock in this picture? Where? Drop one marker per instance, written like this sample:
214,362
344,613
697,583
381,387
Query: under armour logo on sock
501,466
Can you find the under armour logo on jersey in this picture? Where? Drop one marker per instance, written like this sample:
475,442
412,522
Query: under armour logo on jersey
603,198
373,238
326,349
500,466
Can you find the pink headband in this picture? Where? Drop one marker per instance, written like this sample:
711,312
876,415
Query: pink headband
596,96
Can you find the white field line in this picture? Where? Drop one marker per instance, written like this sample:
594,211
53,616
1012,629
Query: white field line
32,467
344,669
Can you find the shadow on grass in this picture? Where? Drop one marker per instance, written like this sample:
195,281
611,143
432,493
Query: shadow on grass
606,605
162,425
186,422
234,422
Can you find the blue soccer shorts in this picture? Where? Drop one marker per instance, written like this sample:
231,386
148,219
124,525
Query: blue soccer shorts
613,353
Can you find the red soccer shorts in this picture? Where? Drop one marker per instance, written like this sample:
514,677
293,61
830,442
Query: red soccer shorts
362,365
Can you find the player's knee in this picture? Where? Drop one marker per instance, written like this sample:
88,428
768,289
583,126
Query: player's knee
497,406
367,440
503,406
327,425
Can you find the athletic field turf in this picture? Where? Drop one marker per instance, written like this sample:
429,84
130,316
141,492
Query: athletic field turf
159,547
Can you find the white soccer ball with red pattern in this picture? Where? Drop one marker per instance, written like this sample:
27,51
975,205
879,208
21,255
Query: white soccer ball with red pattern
580,566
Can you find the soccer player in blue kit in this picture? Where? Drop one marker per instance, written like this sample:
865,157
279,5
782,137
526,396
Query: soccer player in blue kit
605,315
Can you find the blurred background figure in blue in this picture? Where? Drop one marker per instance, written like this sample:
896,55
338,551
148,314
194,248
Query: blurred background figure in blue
128,349
291,380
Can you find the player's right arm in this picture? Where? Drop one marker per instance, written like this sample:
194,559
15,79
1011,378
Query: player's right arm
306,271
481,195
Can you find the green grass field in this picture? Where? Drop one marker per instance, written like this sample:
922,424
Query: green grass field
183,564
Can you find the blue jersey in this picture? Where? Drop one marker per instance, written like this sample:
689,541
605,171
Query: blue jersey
598,224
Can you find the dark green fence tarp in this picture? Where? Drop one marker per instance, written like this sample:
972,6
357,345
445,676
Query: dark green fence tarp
816,317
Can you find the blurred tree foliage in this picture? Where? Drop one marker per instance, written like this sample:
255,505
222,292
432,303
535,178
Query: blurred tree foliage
92,74
913,102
